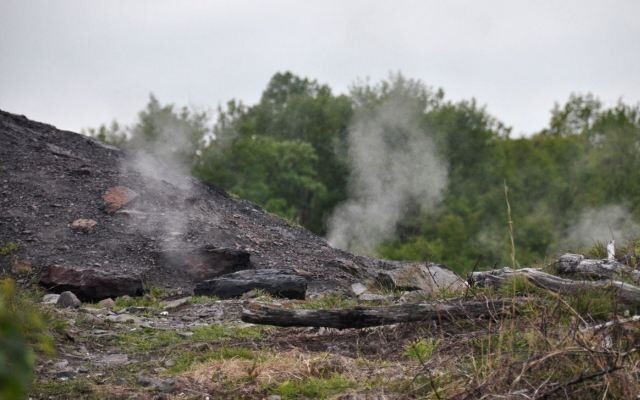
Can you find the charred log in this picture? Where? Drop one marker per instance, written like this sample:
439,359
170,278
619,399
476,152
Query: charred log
280,283
362,317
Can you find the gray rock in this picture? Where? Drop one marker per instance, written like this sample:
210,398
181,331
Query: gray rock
277,282
68,300
90,284
358,288
175,304
428,277
60,365
125,318
415,296
162,385
114,359
50,298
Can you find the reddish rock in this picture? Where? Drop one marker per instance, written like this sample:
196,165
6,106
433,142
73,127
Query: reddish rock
107,303
90,284
117,197
83,225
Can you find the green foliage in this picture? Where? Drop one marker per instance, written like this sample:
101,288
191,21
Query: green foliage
421,350
314,388
23,334
597,304
147,339
9,248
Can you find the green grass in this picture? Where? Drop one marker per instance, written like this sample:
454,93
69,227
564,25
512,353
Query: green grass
152,300
203,299
218,332
595,303
80,388
313,388
330,301
185,360
148,339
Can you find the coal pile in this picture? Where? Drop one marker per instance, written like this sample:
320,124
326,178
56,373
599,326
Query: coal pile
81,217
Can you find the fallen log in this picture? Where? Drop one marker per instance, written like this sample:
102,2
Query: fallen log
578,265
362,317
624,292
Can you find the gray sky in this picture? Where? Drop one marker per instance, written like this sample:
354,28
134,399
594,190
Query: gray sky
80,63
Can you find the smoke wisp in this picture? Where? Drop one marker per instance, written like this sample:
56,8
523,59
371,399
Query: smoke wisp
601,225
161,157
394,164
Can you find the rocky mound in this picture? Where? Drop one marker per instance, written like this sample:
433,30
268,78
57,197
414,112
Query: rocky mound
97,220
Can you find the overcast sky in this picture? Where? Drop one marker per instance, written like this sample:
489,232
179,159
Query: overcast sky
80,63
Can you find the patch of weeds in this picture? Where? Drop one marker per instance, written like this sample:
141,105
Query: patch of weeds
419,386
151,300
145,339
329,301
422,349
598,250
213,333
9,248
23,334
596,303
263,295
202,299
186,359
77,388
314,388
520,286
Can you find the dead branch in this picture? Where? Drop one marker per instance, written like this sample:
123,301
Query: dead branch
624,292
576,264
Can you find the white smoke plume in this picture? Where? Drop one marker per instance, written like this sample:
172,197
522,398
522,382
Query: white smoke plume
162,157
601,225
394,163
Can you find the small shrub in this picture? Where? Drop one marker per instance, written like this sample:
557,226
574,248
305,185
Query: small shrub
595,303
421,350
23,333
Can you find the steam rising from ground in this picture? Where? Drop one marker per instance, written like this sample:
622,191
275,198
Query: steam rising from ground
602,225
393,164
160,157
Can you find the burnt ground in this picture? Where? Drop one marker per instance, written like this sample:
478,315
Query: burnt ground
49,178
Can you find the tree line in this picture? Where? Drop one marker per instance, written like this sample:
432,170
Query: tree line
289,153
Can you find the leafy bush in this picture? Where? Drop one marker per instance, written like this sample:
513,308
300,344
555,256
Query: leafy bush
23,332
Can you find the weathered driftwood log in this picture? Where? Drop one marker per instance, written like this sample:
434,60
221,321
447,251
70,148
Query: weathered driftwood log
578,265
624,292
362,317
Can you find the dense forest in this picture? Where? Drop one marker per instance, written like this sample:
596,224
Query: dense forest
395,169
